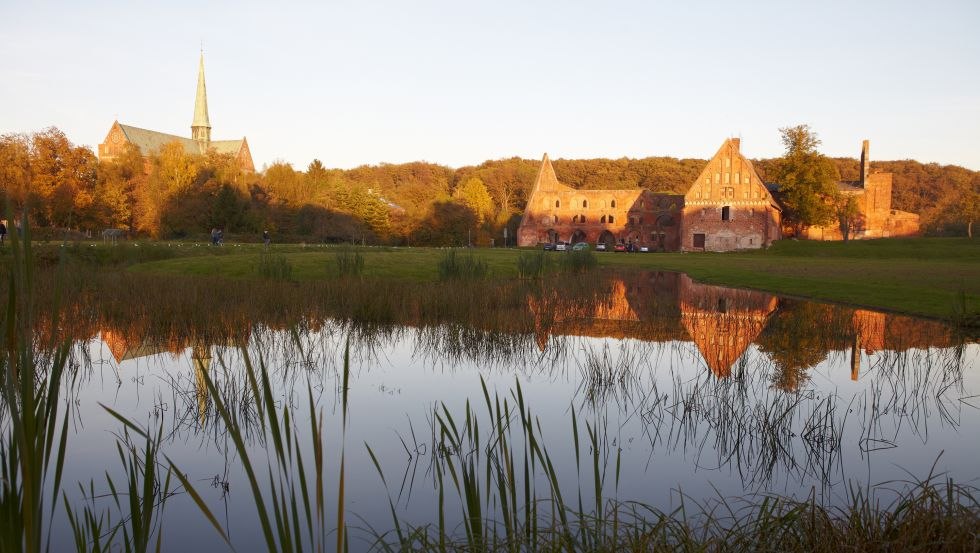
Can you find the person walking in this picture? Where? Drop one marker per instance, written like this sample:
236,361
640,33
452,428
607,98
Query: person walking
265,237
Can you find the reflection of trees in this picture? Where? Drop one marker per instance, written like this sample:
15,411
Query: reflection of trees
797,338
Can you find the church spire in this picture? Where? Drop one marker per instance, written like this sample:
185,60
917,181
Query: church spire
201,127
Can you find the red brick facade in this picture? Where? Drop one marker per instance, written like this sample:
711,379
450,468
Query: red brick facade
727,208
876,219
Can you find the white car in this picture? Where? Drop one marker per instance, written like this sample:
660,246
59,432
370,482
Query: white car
600,247
561,247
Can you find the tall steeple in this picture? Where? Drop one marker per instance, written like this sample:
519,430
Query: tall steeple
201,127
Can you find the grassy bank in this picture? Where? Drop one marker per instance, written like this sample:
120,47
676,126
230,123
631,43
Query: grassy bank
936,277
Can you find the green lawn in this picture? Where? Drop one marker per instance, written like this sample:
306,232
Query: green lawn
928,276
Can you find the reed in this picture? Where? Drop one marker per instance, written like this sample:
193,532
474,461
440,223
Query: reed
453,266
350,263
33,440
273,266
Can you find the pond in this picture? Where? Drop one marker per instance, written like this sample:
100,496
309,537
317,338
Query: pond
662,390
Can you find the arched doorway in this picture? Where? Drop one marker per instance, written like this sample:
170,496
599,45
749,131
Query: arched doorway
608,239
578,236
551,236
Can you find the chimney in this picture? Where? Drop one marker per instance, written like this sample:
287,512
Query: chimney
865,163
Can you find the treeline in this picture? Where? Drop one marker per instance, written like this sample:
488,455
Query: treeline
174,194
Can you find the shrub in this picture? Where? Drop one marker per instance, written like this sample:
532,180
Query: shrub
274,266
532,265
349,263
461,267
578,261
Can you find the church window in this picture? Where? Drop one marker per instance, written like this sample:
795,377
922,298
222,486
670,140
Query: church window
707,180
612,219
728,162
746,179
557,203
697,195
602,219
585,203
736,178
756,192
726,213
699,240
612,203
641,204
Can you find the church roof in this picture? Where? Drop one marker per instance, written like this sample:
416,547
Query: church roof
151,142
227,146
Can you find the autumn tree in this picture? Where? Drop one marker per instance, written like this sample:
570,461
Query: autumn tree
15,171
119,182
807,179
63,176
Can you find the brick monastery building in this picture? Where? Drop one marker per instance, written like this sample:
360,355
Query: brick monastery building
150,142
728,207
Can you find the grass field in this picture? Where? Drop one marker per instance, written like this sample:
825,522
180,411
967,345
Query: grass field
937,277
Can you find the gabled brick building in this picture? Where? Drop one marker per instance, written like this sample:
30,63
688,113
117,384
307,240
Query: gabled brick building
876,218
150,142
728,207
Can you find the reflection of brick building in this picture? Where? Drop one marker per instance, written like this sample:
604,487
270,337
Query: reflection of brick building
726,208
876,218
151,142
722,322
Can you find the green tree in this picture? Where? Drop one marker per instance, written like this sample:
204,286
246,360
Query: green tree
474,194
807,179
848,214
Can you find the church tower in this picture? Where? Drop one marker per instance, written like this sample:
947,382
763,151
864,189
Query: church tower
201,127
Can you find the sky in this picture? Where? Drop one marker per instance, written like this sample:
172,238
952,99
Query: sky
459,82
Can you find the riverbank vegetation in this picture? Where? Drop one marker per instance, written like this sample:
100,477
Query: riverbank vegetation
935,277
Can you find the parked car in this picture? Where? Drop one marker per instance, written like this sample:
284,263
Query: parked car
549,246
561,247
644,249
600,247
619,248
581,246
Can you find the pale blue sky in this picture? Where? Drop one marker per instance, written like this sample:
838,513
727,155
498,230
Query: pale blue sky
355,82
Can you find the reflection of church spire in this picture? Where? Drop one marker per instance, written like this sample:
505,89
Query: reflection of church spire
201,358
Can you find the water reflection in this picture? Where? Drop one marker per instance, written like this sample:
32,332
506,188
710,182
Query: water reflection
712,389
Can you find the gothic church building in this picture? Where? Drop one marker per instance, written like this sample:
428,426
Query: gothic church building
151,142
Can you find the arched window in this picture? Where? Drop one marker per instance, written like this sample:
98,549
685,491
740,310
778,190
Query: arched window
585,203
574,218
612,203
557,203
726,213
612,219
556,219
602,219
581,218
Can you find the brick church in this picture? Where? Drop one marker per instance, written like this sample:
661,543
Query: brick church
150,142
728,207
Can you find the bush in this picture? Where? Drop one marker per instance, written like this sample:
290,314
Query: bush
578,261
532,265
274,266
461,267
349,263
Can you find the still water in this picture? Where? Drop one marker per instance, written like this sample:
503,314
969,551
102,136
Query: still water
696,393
